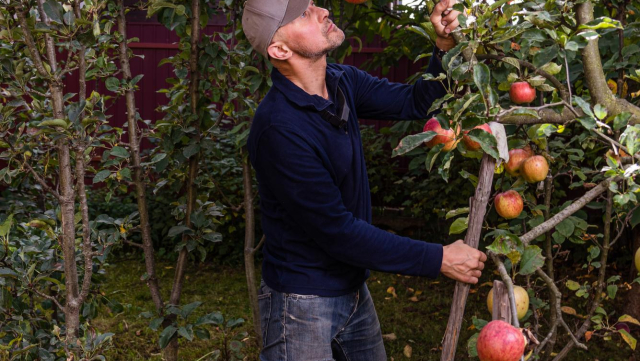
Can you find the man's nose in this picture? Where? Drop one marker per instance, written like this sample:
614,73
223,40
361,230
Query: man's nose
323,13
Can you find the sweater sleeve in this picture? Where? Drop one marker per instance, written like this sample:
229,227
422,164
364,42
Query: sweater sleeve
297,177
377,98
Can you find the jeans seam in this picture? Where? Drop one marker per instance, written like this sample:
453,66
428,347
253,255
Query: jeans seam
284,328
351,315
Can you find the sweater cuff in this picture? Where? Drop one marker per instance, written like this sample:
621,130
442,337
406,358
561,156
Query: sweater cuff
432,262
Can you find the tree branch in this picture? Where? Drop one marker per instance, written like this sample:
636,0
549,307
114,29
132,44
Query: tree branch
594,73
571,209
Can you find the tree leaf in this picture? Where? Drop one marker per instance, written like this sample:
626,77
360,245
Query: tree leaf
486,140
482,77
628,319
53,10
112,84
214,318
186,332
5,272
630,340
566,228
176,230
457,212
6,226
459,225
411,142
572,285
512,61
472,345
545,55
190,150
101,176
166,336
532,259
120,152
188,309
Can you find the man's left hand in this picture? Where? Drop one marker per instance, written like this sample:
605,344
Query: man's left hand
445,20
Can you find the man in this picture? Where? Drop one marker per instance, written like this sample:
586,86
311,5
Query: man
316,209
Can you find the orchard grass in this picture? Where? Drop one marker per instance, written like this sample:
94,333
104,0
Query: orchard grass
417,315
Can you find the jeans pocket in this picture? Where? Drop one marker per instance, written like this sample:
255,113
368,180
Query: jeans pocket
264,303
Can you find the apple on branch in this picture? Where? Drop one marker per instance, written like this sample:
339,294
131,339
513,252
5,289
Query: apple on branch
522,92
445,136
472,144
509,204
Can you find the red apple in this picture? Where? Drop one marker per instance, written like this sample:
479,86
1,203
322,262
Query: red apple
534,169
522,301
509,204
499,341
446,136
516,157
471,144
522,93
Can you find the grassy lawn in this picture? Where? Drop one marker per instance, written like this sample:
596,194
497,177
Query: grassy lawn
417,315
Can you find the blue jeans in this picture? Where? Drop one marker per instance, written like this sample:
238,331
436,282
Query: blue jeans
313,328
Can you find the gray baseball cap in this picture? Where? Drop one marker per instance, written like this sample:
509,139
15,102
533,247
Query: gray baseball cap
261,19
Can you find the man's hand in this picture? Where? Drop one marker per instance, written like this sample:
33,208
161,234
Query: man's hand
462,263
444,20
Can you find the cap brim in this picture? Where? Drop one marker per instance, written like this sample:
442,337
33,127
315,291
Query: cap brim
295,8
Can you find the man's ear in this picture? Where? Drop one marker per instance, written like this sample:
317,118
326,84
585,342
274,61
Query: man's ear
279,51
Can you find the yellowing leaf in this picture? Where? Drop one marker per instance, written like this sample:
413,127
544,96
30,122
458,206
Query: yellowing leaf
392,290
413,299
628,339
568,310
628,319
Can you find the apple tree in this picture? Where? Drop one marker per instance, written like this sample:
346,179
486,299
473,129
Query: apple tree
541,75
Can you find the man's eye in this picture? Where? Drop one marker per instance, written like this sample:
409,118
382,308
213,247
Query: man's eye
304,15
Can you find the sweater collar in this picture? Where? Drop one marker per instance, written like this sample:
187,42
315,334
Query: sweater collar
303,99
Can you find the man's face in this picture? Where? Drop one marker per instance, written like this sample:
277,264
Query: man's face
313,34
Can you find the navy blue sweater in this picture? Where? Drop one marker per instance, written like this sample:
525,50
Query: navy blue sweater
314,190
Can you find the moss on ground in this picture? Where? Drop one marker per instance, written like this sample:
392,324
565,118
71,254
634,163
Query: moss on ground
417,315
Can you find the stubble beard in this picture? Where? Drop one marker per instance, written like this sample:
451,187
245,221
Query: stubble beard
334,40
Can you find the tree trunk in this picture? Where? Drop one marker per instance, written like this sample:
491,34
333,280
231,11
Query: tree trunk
249,248
476,217
138,177
170,353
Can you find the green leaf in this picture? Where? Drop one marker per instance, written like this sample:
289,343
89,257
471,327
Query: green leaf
214,318
532,259
177,230
566,228
136,79
188,309
459,225
166,336
112,84
601,23
511,61
572,285
611,291
101,176
486,140
53,10
411,142
600,111
191,150
459,211
630,340
482,77
552,68
156,323
621,120
438,103
6,226
450,56
545,55
120,152
186,332
472,345
5,272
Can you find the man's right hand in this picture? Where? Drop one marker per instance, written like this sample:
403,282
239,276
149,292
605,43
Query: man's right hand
462,263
